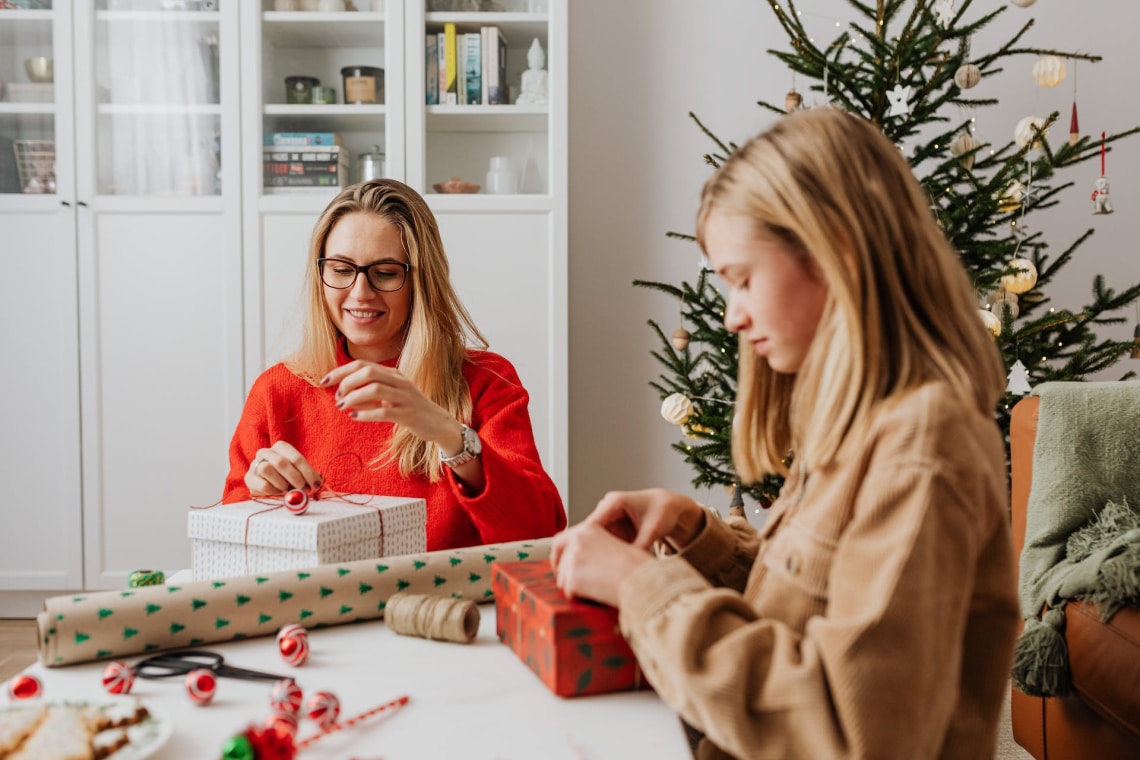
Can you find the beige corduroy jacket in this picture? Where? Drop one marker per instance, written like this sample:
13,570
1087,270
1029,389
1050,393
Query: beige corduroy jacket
874,615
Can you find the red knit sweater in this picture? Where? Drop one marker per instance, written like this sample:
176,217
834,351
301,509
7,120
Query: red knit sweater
518,502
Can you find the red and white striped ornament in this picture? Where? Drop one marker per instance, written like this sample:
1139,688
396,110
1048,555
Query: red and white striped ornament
118,678
297,501
201,685
286,697
283,722
293,643
25,687
323,708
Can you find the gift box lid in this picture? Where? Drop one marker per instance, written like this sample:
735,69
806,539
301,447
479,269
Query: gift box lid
532,586
326,523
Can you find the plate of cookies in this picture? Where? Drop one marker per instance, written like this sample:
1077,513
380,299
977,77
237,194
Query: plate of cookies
111,728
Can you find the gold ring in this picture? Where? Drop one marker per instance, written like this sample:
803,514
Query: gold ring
260,461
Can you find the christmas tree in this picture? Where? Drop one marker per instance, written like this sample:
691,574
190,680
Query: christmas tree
907,66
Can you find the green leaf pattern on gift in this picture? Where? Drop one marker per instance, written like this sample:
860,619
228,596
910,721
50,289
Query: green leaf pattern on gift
125,594
438,581
345,609
262,619
418,564
284,595
261,579
579,633
381,568
150,647
239,636
129,633
342,571
173,589
584,680
196,641
489,558
454,561
587,651
176,628
402,584
523,555
219,584
242,599
221,623
153,608
615,662
326,591
474,578
364,588
103,653
303,576
197,604
80,638
382,605
78,599
304,614
104,612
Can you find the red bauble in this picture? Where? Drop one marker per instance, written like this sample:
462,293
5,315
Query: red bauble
271,742
201,685
25,687
297,501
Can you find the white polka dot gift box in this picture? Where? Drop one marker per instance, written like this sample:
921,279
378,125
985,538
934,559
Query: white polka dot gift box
263,536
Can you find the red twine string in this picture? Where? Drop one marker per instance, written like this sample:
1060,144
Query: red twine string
388,707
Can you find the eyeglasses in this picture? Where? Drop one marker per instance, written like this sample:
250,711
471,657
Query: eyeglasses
385,276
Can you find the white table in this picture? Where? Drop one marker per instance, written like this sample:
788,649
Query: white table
471,701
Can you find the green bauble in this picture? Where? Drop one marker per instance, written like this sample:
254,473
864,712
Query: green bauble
237,748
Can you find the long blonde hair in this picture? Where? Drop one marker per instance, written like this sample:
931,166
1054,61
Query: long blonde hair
900,309
437,333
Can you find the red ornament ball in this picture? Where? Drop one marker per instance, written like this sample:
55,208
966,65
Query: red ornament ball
323,708
118,678
271,742
201,684
297,501
293,643
25,687
286,697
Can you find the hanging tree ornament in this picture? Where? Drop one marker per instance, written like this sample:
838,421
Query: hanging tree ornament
945,12
963,147
1018,379
898,98
1049,71
1022,279
968,75
793,99
1023,3
1101,203
677,408
990,320
1010,199
1074,127
1026,132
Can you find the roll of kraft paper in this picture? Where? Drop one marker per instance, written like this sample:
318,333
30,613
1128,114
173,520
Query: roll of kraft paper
104,624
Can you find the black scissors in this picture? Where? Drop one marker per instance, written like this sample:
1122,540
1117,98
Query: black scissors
171,664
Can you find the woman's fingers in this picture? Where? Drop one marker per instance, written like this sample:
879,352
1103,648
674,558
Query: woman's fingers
281,468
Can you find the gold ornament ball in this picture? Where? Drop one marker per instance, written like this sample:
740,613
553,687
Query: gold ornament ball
990,320
1024,134
967,76
1049,71
1021,280
681,338
1010,200
793,100
963,144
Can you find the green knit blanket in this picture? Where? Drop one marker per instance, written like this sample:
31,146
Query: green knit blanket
1082,540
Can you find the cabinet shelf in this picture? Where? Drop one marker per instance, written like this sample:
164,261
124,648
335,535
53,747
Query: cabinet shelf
179,16
338,118
25,29
34,109
165,109
322,30
526,24
10,15
477,118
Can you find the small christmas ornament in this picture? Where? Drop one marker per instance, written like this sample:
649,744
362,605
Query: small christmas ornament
293,643
963,147
201,685
285,697
1006,304
945,12
1010,200
1022,279
1023,3
1018,379
1074,126
677,408
25,687
1101,203
238,748
271,742
1025,133
118,678
681,338
968,75
286,722
898,98
1049,71
990,320
297,501
792,100
323,708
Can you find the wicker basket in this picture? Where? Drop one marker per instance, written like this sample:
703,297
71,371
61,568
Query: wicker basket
35,163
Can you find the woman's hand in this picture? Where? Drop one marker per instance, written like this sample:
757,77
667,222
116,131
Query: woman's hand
375,393
590,561
643,517
278,469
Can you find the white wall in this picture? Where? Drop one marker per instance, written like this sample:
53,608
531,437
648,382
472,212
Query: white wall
638,66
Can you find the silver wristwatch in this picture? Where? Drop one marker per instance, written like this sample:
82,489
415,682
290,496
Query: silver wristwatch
472,447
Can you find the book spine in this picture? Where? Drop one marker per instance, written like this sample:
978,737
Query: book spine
441,50
450,77
461,69
496,71
300,139
431,72
474,69
484,68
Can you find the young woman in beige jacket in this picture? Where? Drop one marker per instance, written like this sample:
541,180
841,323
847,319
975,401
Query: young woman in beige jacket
874,614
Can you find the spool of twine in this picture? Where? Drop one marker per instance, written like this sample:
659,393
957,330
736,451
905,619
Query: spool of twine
439,618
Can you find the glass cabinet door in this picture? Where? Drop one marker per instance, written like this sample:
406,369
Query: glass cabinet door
28,97
157,97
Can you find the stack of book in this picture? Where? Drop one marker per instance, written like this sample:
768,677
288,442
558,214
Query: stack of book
303,161
466,68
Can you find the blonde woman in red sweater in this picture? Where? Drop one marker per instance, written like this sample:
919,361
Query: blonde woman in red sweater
874,615
385,396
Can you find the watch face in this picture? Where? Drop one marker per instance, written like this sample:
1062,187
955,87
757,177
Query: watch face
471,442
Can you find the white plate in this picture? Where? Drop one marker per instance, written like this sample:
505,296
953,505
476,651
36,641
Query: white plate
147,737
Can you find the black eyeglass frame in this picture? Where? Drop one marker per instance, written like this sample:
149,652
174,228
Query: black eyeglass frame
362,270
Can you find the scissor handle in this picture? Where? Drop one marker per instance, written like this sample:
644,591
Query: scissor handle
170,664
227,671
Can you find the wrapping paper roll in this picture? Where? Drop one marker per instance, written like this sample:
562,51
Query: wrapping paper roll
106,624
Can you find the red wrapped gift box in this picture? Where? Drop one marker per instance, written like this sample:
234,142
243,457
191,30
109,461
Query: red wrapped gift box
573,645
